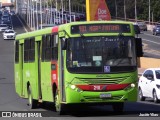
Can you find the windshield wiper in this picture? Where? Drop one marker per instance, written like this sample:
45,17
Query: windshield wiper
120,35
82,35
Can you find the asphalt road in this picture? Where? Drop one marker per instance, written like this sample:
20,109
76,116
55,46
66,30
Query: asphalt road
151,44
10,101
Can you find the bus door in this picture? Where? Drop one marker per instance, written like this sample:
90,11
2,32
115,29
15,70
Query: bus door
38,46
21,70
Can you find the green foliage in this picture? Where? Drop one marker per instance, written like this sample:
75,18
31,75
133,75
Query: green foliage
142,9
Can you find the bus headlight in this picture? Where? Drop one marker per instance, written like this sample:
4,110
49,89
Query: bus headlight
130,86
73,87
133,85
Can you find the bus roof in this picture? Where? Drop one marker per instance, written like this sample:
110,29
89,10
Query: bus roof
34,33
62,27
91,22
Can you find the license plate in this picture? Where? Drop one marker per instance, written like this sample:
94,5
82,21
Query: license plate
105,95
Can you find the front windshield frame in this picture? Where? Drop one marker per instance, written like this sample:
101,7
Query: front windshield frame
75,66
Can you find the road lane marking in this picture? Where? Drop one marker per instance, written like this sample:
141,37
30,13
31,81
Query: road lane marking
151,35
151,41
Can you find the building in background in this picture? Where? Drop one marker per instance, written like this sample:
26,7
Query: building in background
7,3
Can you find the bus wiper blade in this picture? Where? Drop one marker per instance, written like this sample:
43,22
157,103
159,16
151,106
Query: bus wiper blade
120,35
82,35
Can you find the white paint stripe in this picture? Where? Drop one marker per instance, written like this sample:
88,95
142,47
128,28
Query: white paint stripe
151,35
151,41
22,24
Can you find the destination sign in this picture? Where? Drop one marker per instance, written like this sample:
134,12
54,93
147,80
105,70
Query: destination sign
100,28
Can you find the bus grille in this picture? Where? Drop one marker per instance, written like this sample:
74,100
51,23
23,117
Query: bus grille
95,98
103,81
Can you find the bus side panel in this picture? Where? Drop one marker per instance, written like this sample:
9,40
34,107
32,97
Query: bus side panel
17,79
19,73
46,85
30,76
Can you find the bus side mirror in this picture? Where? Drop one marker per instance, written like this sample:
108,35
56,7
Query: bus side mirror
137,29
139,47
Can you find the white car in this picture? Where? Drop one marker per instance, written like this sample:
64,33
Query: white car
149,85
9,34
3,27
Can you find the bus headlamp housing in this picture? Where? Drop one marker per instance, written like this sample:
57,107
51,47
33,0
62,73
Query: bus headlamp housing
74,87
132,85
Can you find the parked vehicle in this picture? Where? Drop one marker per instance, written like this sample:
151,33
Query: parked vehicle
149,85
142,26
137,29
156,30
9,34
12,13
3,27
5,18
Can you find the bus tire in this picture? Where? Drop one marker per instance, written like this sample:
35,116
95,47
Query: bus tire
118,107
31,102
59,107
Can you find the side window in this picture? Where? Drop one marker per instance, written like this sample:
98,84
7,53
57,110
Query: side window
26,50
54,47
32,50
17,52
29,50
48,48
157,72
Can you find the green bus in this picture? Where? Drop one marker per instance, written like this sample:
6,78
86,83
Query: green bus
89,63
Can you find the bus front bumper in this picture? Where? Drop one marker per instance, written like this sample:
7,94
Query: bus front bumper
78,96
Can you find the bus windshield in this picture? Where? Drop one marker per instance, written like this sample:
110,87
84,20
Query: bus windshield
101,54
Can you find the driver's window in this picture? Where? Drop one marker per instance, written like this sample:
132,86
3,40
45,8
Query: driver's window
150,75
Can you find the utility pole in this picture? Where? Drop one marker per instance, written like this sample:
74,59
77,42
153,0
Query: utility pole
37,21
136,10
152,17
125,9
62,10
51,19
149,11
16,6
70,9
41,13
116,8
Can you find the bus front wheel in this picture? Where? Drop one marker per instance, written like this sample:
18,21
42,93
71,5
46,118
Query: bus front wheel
31,102
59,107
